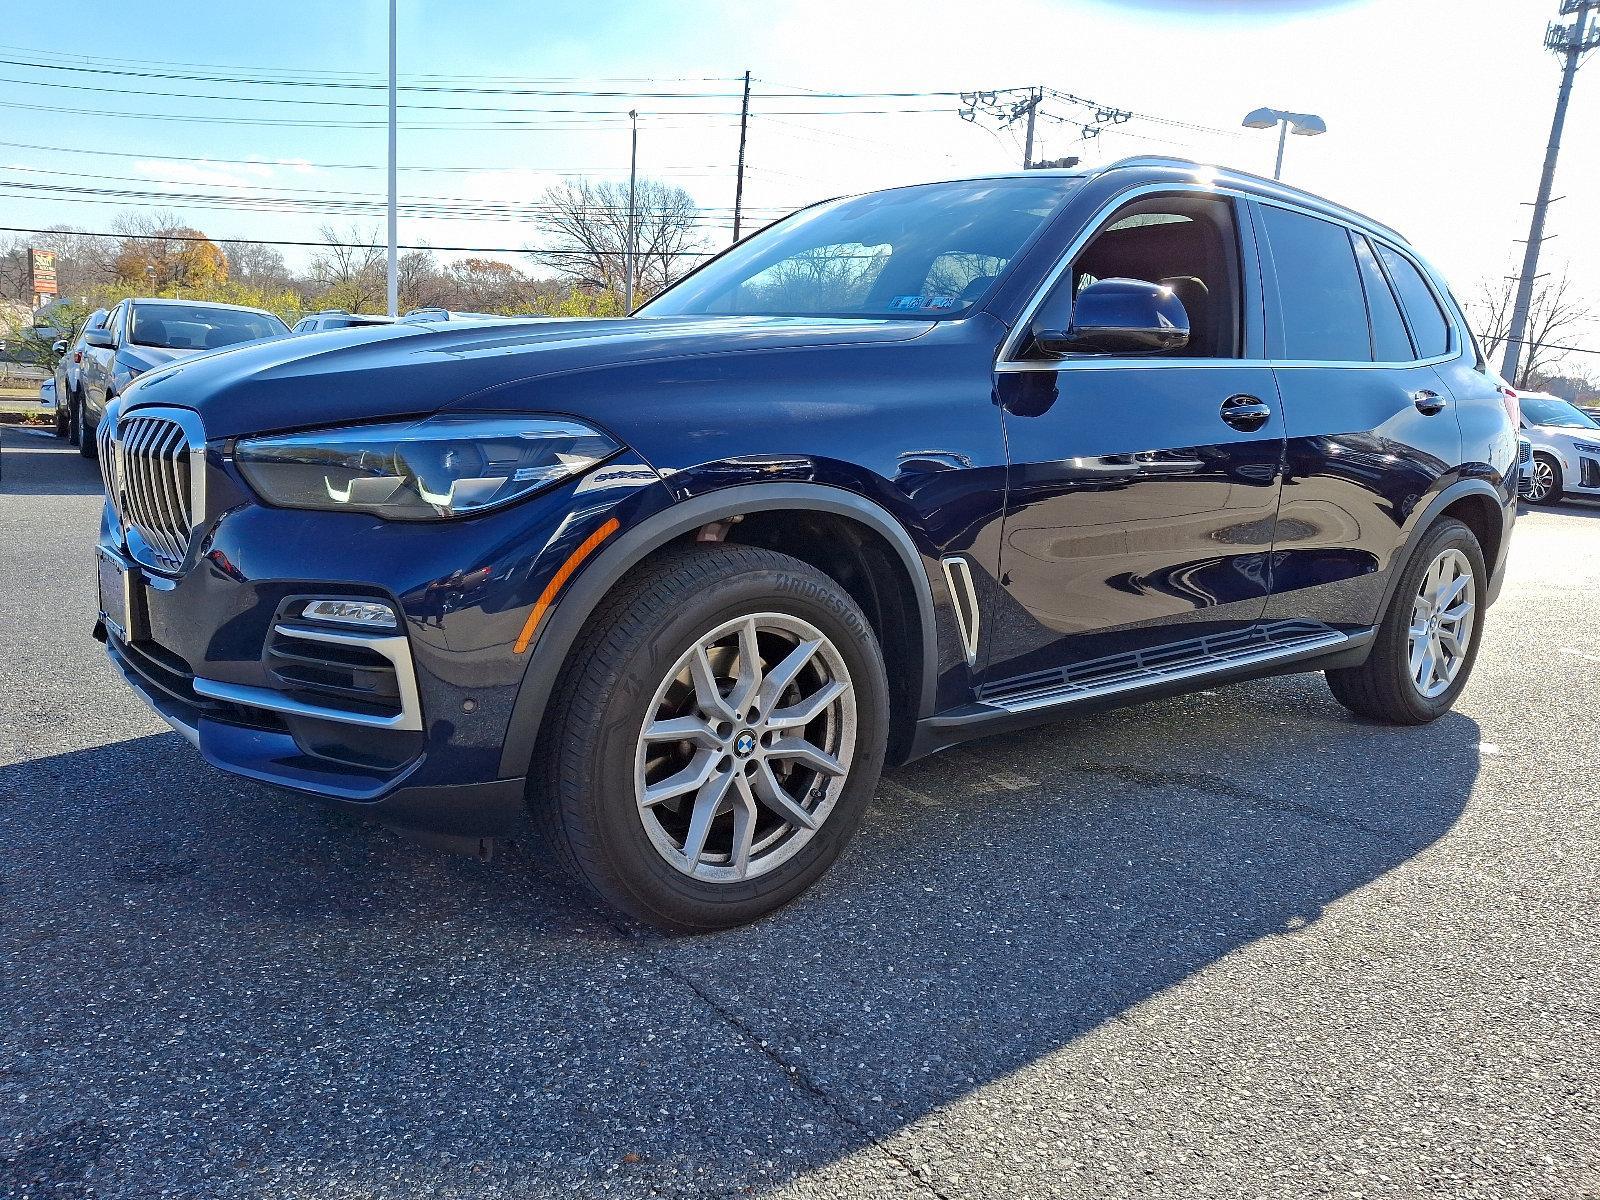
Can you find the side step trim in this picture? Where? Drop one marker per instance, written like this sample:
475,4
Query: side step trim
1300,642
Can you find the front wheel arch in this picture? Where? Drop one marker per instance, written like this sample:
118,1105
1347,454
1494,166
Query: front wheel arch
631,548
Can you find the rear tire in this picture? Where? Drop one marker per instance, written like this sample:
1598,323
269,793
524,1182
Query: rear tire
84,433
1545,486
1386,687
667,652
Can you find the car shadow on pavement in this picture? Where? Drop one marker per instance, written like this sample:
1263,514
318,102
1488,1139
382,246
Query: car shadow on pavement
211,979
33,462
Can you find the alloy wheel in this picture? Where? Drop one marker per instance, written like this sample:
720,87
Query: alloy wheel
1441,623
745,747
1543,480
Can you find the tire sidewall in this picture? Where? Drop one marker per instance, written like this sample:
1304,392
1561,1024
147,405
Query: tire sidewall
1394,642
610,800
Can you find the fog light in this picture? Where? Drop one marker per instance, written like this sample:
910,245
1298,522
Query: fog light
369,613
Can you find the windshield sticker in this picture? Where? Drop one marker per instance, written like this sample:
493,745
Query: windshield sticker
904,303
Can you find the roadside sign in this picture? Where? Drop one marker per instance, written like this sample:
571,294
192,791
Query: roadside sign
42,267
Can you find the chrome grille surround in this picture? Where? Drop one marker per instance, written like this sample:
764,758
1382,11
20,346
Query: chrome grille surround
153,466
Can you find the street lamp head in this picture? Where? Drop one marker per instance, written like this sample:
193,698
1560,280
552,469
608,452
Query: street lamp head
1263,118
1306,125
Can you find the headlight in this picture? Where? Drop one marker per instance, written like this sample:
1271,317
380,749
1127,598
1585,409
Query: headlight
424,470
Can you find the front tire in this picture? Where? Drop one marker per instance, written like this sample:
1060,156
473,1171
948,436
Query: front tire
718,735
1545,485
1428,639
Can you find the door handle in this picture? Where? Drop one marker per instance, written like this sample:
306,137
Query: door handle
1245,413
1427,402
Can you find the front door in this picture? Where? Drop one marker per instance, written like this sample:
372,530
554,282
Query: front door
1143,491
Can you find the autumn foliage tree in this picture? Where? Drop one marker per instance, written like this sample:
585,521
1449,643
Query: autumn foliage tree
175,256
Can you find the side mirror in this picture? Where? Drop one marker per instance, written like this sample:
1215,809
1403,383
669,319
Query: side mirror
1120,314
58,348
99,337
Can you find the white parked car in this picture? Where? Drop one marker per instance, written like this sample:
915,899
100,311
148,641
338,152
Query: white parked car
1566,448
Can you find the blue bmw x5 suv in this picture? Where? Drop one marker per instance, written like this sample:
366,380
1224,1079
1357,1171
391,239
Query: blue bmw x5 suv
902,469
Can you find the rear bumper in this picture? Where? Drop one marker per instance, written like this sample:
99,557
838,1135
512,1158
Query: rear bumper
241,741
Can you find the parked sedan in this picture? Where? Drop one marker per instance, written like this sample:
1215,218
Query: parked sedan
144,333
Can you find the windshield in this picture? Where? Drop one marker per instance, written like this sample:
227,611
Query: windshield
196,327
929,251
1547,410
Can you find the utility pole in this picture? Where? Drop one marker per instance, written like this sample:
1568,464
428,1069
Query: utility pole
394,173
633,174
1571,41
738,188
1035,98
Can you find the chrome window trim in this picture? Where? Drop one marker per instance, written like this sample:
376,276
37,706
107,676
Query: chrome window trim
1008,363
395,647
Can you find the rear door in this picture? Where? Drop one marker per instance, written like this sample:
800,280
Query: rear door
1370,424
1142,490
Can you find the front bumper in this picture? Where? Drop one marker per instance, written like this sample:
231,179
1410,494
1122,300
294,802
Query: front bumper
405,726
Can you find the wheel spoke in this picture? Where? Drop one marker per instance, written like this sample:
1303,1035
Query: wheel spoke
807,755
1461,583
707,804
700,769
803,712
770,792
744,826
747,682
707,695
781,676
692,728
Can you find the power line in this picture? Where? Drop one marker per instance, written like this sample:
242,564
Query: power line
299,163
327,245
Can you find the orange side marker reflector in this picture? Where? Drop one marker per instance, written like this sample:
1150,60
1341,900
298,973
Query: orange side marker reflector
559,579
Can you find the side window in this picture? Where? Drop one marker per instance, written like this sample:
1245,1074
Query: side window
1390,342
118,322
1324,311
302,326
1188,243
1428,326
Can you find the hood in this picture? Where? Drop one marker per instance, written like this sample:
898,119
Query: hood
1564,431
381,371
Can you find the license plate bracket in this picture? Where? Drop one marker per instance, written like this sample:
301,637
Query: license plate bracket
120,588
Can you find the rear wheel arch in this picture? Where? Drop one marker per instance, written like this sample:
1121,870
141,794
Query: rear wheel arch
765,508
1473,502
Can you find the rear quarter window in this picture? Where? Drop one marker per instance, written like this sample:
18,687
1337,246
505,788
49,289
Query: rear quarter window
1428,324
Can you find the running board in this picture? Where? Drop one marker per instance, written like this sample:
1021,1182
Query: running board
1173,662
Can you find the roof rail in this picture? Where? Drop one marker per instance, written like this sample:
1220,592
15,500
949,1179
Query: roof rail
1167,160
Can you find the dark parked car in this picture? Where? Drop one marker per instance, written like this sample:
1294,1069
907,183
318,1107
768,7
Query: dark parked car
903,469
69,369
141,334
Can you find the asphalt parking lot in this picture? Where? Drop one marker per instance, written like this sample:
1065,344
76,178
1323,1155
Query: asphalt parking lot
1234,944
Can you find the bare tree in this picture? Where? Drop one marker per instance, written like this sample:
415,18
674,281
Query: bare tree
1556,316
586,229
258,265
351,269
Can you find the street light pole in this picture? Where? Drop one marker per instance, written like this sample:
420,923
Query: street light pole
633,175
1301,124
394,172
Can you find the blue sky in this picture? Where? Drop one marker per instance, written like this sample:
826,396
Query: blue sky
1437,109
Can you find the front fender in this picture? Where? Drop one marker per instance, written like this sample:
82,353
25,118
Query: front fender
653,530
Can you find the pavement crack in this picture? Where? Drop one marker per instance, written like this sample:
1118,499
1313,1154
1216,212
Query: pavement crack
793,1072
